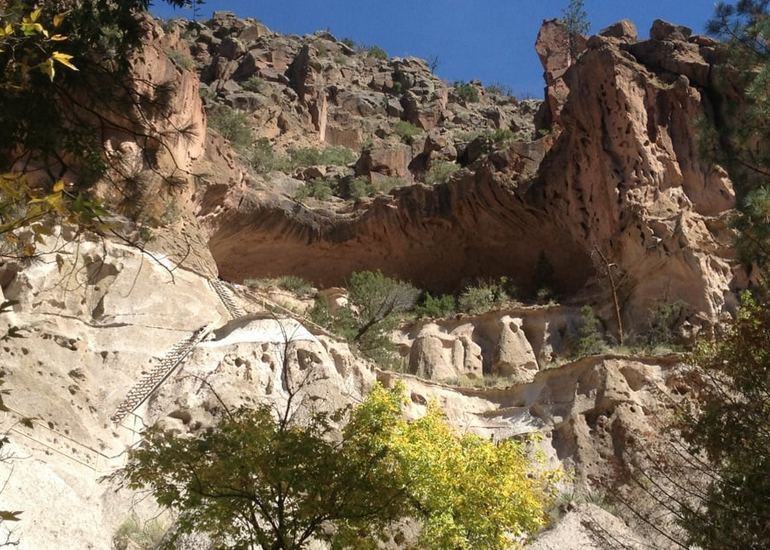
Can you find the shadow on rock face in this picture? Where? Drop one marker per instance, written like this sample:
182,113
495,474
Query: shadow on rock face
438,238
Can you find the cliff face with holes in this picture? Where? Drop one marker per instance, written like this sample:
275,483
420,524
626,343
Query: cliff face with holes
613,183
618,182
91,324
625,176
95,324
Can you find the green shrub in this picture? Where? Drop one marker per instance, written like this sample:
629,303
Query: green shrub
255,283
484,297
467,92
487,381
543,278
253,84
500,89
341,322
468,136
295,284
207,94
171,212
349,42
589,337
320,189
358,188
440,172
233,125
350,188
376,305
263,159
387,184
436,307
321,48
544,295
377,53
663,322
180,59
406,130
331,156
378,302
502,135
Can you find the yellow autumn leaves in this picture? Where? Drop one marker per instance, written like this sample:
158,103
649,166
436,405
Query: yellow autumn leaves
27,45
14,32
471,492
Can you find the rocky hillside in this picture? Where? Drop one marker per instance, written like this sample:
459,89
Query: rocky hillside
613,175
310,156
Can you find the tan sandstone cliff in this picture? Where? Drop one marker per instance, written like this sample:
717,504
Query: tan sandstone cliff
618,174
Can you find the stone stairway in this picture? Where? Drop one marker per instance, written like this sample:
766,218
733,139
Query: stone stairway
158,374
227,298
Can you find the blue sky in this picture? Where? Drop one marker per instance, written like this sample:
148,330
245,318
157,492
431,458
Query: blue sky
488,40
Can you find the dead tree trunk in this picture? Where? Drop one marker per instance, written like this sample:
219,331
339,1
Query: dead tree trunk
607,265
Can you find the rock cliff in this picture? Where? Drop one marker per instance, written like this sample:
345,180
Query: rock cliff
612,191
87,338
618,183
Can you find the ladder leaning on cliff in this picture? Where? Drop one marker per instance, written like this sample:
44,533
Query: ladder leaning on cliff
158,374
152,380
227,298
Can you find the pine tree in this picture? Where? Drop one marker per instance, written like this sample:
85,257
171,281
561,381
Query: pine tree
575,19
741,142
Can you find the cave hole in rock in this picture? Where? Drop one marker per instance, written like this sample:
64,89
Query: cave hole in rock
439,239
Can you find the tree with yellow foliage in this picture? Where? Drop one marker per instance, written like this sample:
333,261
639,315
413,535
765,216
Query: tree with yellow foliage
255,480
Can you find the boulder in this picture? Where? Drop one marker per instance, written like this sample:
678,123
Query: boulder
663,30
385,158
346,136
252,32
675,57
436,355
624,30
418,112
514,357
431,357
250,64
231,48
244,101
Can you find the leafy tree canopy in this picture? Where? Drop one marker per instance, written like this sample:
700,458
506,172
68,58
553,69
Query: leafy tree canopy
730,423
256,481
376,303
